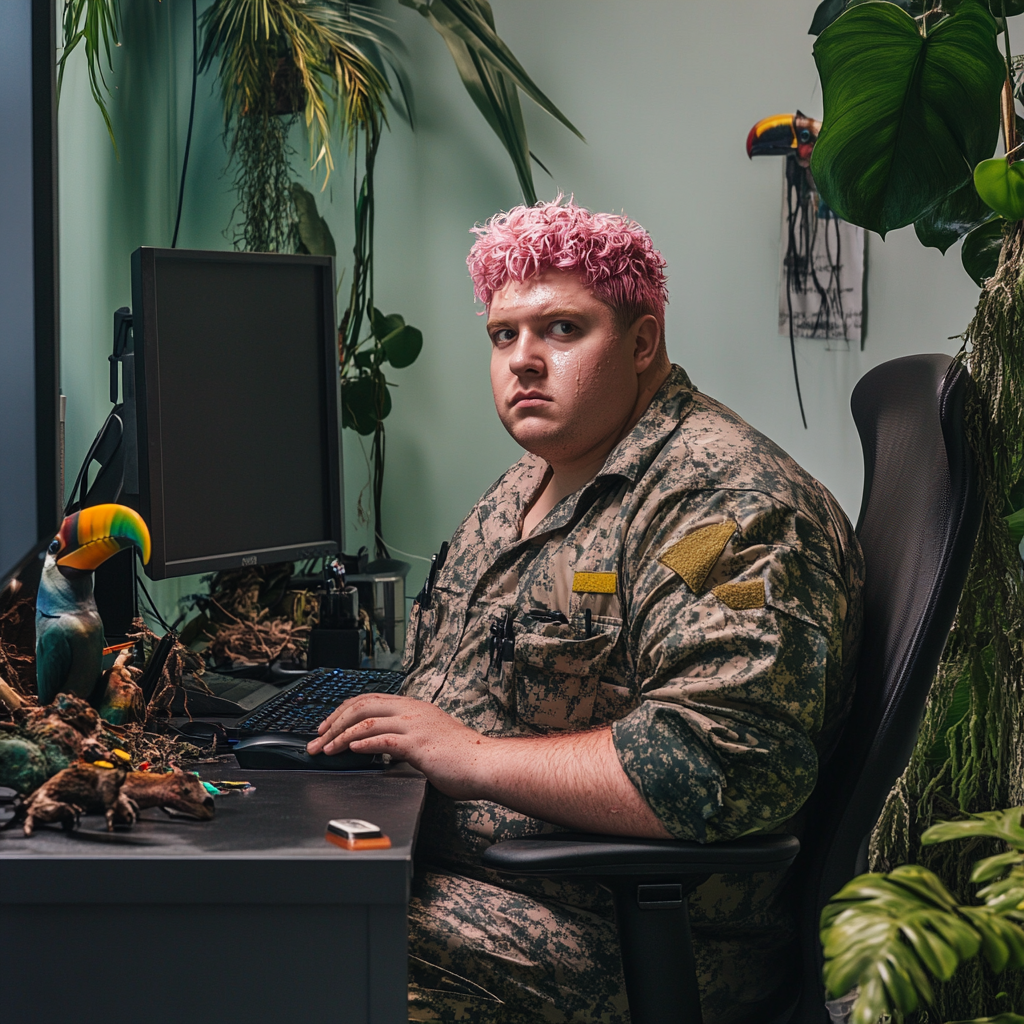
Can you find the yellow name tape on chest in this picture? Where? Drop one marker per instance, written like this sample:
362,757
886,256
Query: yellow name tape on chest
594,582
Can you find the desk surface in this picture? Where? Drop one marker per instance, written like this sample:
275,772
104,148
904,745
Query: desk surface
267,846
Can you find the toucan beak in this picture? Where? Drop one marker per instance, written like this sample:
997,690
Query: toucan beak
784,135
772,136
89,537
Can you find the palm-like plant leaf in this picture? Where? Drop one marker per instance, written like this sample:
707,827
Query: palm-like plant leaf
492,76
96,23
1006,825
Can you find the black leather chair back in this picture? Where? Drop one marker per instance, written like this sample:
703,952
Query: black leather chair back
918,524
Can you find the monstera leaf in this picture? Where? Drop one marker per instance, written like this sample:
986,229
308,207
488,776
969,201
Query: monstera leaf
893,935
906,115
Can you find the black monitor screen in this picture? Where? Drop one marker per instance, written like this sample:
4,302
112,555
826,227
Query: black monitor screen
236,382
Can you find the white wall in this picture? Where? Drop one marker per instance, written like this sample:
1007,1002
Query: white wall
665,92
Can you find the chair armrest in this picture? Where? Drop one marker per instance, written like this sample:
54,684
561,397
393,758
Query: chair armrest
577,853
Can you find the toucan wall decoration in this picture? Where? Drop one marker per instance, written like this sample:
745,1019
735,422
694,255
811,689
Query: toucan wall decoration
821,265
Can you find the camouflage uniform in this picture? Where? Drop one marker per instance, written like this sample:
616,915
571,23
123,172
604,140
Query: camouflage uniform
702,596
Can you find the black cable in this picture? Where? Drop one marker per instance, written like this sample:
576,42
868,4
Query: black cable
188,137
151,602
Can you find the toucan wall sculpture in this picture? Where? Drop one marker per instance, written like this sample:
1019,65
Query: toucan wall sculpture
69,632
815,253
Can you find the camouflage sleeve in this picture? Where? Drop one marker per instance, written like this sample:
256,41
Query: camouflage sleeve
736,618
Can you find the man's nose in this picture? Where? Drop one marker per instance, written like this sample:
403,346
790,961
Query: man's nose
527,355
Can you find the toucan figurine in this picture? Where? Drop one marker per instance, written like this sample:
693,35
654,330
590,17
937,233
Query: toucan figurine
69,631
784,135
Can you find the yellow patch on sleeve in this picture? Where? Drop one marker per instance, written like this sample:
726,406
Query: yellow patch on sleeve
738,596
695,555
594,582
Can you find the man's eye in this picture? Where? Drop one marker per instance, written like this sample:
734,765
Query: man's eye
506,334
563,328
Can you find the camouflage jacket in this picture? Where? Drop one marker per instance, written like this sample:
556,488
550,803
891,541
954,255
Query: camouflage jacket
701,595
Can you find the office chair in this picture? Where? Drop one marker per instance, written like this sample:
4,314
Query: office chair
918,523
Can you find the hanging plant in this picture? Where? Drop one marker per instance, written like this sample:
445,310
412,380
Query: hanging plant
276,58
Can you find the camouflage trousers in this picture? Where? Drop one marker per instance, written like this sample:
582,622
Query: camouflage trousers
487,954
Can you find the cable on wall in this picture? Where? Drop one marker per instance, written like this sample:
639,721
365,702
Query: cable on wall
188,137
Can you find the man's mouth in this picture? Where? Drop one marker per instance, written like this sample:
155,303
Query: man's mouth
528,400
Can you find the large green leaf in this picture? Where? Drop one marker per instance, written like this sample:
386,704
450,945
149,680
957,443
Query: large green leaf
906,117
981,249
957,215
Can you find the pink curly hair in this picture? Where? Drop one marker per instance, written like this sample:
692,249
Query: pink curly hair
613,256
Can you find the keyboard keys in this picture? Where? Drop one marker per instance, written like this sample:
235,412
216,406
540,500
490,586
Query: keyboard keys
302,708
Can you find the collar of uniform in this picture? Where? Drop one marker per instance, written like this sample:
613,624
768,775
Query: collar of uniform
635,452
500,513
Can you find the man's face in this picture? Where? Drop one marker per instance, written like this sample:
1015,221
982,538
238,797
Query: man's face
563,373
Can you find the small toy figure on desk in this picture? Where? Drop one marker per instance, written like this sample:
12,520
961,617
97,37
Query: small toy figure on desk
69,632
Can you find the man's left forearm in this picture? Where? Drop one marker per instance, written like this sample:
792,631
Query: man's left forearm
572,779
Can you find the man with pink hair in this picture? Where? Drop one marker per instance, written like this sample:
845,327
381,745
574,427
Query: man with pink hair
647,627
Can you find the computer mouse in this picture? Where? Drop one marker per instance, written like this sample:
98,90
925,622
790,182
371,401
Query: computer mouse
284,750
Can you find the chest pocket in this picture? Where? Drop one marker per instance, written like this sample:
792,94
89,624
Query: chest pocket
557,676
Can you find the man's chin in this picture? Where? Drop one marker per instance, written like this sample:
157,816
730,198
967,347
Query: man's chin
536,434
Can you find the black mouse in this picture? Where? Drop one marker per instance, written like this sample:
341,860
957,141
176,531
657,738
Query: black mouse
279,750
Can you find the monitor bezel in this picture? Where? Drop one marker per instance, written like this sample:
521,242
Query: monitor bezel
147,391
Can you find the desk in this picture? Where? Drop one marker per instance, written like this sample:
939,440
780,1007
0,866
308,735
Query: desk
252,917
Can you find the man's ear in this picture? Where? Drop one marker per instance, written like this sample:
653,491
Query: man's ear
647,342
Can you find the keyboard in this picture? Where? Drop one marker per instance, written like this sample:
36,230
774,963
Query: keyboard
302,707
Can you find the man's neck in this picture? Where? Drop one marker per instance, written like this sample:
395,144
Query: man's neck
568,477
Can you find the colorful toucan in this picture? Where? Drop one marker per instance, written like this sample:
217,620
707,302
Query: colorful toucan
784,135
69,631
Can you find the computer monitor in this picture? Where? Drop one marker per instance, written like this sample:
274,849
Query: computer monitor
237,408
29,375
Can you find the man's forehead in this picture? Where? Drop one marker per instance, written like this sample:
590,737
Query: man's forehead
550,291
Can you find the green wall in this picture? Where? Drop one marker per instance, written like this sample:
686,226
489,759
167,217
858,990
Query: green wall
665,92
